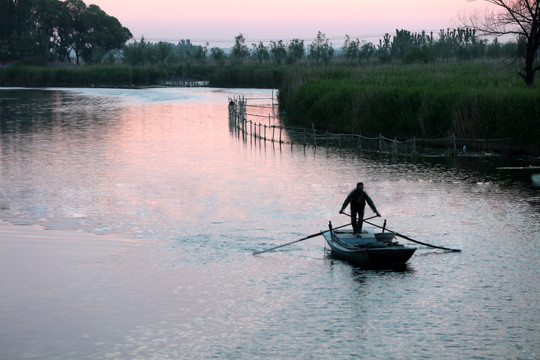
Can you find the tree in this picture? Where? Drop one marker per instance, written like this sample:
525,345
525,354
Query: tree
240,51
494,50
402,44
351,49
27,27
260,53
200,52
384,47
164,51
94,29
76,31
218,55
320,49
520,18
137,52
367,50
45,18
185,49
7,13
63,41
53,29
278,52
447,44
423,54
295,51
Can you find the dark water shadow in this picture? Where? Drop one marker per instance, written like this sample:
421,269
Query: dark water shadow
357,270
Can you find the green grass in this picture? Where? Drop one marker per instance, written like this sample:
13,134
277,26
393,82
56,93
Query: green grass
252,76
82,76
472,100
249,76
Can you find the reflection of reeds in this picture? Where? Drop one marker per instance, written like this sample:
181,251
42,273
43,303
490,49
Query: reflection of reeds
470,100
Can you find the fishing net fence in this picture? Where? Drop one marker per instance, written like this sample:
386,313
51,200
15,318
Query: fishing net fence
260,121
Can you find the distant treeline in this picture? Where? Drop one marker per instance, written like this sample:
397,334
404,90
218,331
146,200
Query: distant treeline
55,32
404,46
40,32
261,67
61,33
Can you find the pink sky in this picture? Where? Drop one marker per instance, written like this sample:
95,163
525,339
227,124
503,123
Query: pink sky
219,21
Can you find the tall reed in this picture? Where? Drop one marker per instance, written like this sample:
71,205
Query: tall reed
474,100
83,76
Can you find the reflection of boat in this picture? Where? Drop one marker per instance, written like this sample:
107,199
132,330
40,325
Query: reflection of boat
368,249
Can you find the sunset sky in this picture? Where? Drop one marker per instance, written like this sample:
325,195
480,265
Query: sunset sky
218,21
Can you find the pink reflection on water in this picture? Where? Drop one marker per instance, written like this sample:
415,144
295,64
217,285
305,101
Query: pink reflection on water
165,154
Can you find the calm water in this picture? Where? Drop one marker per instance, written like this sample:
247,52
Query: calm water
179,204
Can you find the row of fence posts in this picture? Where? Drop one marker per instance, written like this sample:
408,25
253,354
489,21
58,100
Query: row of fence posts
238,119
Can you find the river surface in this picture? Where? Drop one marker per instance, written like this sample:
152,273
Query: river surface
134,214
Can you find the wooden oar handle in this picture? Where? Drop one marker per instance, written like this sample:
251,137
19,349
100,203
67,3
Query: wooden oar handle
295,241
369,218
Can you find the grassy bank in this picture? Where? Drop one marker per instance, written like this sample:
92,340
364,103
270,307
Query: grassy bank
126,76
254,76
480,101
80,76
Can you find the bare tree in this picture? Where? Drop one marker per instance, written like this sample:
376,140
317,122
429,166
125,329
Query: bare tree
520,18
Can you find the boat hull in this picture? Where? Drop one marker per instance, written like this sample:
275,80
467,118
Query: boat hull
368,249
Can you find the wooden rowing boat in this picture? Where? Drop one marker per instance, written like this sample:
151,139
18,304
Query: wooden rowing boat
368,249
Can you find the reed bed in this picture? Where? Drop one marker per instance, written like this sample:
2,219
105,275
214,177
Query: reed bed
473,100
81,76
250,76
265,77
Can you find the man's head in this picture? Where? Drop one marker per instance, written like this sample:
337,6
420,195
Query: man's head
360,186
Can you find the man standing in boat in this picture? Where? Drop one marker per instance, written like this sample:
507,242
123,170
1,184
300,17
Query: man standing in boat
358,199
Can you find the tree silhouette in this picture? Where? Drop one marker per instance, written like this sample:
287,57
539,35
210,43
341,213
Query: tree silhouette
520,18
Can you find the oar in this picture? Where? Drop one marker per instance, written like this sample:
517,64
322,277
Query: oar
302,239
295,241
408,238
415,241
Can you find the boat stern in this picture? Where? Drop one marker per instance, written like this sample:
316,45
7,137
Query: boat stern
386,237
